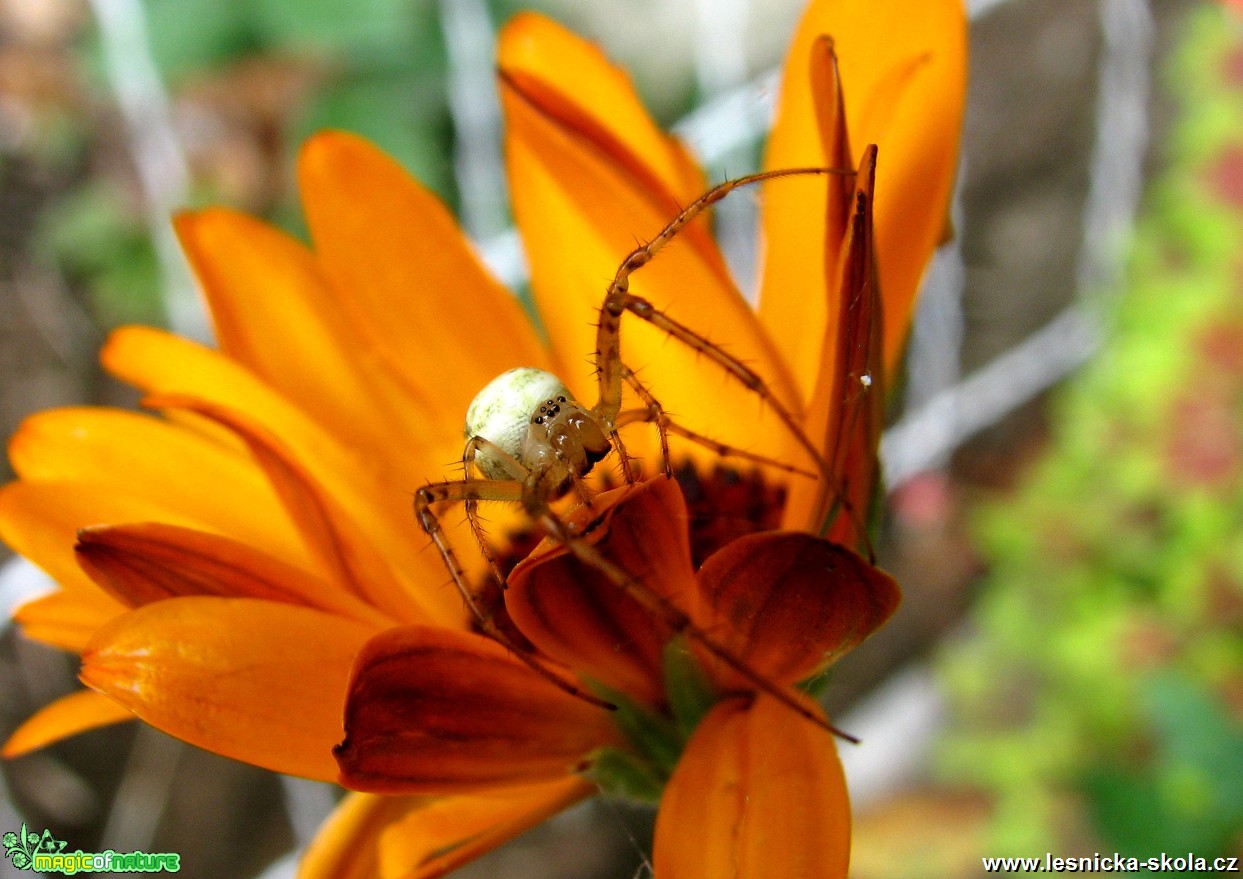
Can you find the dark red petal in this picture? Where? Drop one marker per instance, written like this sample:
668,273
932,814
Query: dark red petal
578,616
149,561
848,407
788,603
433,710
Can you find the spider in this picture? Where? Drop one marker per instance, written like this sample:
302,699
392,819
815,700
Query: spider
532,443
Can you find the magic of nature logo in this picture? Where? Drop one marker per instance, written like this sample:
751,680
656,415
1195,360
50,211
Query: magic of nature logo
44,853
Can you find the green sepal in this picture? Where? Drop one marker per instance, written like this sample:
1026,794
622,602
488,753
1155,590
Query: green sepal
815,685
688,689
656,739
625,775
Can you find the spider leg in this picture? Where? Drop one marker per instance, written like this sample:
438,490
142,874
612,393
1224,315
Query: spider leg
611,371
674,617
474,490
515,470
619,302
655,414
608,352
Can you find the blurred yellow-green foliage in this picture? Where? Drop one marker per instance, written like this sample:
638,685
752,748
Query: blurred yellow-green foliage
1098,698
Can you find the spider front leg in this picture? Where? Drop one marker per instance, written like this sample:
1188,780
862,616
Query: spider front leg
608,350
516,472
469,491
611,371
619,300
665,425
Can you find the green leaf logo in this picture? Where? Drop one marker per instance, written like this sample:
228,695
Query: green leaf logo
21,847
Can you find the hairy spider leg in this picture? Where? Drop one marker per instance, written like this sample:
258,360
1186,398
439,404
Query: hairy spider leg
516,472
610,370
473,490
665,425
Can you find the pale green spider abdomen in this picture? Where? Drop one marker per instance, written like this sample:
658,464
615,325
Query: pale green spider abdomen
501,413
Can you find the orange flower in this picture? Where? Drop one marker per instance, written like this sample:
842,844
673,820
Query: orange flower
240,558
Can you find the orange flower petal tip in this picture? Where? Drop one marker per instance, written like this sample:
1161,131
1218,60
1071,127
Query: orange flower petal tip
532,39
330,153
67,716
254,680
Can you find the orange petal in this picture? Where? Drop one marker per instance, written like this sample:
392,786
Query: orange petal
847,413
347,844
68,619
903,72
371,836
410,278
581,209
801,322
788,603
451,831
442,711
339,544
135,454
151,561
40,520
575,614
253,680
258,279
67,716
571,79
764,793
369,490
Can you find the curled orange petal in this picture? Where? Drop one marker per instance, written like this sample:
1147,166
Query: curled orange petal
448,832
788,603
846,416
136,454
570,79
347,845
424,837
805,220
903,77
67,716
145,562
575,614
758,794
338,542
40,520
440,711
254,680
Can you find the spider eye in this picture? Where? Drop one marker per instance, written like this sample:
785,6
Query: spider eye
539,419
561,399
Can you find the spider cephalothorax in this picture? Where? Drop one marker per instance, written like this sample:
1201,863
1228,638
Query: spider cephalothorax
528,415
